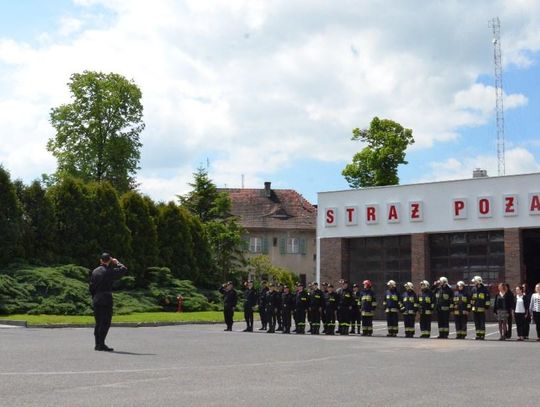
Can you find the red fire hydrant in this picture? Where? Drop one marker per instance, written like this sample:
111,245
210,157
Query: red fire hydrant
180,300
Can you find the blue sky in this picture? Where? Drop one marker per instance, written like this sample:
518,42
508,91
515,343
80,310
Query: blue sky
271,90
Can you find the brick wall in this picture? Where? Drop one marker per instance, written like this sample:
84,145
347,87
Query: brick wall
513,257
334,258
420,269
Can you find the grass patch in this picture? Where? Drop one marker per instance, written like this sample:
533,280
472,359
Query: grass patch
142,317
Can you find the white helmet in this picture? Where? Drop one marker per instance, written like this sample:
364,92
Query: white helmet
425,283
443,280
460,284
477,280
409,285
391,283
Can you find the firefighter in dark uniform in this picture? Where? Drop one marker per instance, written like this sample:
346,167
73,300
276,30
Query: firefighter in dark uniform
229,302
368,303
346,303
356,321
331,300
324,287
272,304
316,303
426,306
308,312
480,303
287,307
443,301
250,301
391,308
101,284
461,308
409,308
279,316
338,292
262,305
301,306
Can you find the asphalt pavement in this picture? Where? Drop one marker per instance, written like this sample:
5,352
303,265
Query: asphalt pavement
200,365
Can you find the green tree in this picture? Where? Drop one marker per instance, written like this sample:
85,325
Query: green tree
97,135
175,241
39,223
262,266
76,226
377,164
112,234
10,219
144,240
225,236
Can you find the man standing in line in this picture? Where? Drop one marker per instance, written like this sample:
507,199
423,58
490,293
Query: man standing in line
331,300
101,282
250,301
229,302
316,302
287,307
426,307
480,303
301,305
444,297
368,303
346,302
262,305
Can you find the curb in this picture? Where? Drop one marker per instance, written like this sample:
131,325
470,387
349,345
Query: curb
117,324
13,322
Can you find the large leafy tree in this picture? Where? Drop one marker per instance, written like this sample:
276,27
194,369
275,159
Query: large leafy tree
377,164
97,134
10,219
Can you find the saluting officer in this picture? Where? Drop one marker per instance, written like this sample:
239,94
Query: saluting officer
409,307
316,302
301,305
391,307
346,302
250,301
272,303
229,302
331,300
262,305
356,321
443,298
480,302
287,307
461,307
368,303
426,306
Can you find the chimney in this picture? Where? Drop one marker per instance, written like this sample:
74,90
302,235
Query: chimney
479,173
267,190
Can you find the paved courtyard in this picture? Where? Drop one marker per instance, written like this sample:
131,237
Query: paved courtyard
200,365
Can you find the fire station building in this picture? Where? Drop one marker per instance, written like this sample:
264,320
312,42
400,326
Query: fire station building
488,226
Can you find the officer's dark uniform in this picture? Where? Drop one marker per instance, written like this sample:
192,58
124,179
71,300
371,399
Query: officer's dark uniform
316,303
426,305
443,299
279,316
262,308
250,301
230,300
480,302
391,308
409,307
461,308
272,304
331,300
346,303
323,313
356,320
287,307
301,306
368,303
101,285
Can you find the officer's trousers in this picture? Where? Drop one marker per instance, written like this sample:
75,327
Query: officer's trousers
315,322
461,326
367,325
228,313
300,320
286,317
480,324
425,325
443,321
248,315
392,320
330,320
356,320
103,317
408,322
262,315
345,320
271,319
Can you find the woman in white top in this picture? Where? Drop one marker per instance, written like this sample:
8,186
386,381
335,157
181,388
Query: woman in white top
535,309
521,312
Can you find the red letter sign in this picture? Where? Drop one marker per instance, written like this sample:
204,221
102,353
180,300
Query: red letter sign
510,205
371,214
485,207
534,204
351,215
416,213
460,208
331,218
393,212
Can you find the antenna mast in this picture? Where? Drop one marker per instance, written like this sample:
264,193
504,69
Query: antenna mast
495,24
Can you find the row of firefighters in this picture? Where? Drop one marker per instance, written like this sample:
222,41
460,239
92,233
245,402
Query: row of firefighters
349,309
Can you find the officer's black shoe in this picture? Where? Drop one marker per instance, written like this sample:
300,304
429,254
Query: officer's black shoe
103,348
279,328
271,331
389,335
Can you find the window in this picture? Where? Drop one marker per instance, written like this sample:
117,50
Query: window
255,245
293,245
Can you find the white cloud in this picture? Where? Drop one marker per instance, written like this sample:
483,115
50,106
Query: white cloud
259,84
